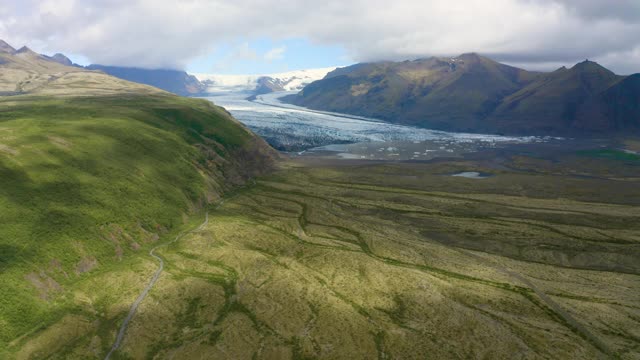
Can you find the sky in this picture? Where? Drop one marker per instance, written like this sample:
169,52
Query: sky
267,56
266,36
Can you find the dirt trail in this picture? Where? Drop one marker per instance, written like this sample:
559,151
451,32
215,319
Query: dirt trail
154,280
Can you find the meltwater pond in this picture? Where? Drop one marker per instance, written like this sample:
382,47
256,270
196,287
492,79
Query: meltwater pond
300,130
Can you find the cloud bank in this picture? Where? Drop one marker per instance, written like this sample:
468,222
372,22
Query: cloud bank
169,34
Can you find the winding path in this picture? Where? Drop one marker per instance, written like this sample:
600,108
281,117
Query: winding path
154,280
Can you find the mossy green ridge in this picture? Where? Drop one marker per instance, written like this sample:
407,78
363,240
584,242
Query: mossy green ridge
88,182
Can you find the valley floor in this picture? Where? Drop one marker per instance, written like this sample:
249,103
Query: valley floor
361,260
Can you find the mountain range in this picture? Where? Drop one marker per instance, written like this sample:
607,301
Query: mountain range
181,83
174,81
27,72
468,93
23,62
473,93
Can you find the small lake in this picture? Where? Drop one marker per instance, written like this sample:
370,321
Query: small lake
471,175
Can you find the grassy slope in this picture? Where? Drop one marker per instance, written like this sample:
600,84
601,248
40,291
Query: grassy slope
366,260
398,261
87,181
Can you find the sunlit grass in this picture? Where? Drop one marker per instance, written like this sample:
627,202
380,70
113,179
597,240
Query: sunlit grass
88,181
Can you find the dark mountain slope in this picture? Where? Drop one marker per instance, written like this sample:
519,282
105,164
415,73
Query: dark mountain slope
174,81
476,94
436,92
551,103
61,59
4,47
615,109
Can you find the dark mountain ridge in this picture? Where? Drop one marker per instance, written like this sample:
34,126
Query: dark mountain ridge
476,94
176,81
61,59
4,47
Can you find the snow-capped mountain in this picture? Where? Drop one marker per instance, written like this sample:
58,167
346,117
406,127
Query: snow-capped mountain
286,81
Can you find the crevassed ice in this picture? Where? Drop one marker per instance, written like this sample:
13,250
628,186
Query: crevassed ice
269,117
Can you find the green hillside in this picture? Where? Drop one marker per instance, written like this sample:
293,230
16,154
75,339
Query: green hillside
366,260
89,181
135,224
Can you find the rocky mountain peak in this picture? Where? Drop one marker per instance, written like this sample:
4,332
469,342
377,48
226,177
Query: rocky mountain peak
589,66
24,50
472,56
61,59
5,47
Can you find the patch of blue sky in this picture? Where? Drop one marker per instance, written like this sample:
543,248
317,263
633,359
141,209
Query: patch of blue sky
266,56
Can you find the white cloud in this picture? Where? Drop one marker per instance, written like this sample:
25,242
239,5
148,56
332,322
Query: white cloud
241,52
169,33
276,53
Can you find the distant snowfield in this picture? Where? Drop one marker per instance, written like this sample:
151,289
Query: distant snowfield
290,81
